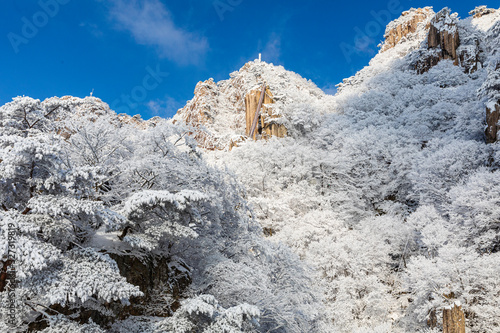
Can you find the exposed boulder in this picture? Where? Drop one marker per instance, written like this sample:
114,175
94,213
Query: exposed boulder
162,280
407,24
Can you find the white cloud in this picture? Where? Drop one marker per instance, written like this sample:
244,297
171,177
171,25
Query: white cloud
92,28
272,50
330,89
365,45
150,23
164,108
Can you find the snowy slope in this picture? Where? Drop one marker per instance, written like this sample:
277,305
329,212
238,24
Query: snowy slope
377,193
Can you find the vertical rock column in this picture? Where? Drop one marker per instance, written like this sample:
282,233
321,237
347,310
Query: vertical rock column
443,34
442,41
266,127
251,103
491,89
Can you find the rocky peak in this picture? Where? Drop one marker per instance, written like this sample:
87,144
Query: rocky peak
481,11
428,37
220,113
406,25
201,106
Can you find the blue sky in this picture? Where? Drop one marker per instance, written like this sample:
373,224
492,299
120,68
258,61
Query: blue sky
147,56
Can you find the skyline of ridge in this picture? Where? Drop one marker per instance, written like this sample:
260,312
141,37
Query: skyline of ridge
146,58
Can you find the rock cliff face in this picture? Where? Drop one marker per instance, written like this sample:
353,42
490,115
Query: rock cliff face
407,24
491,91
443,41
220,113
440,36
444,36
159,278
267,126
162,281
199,111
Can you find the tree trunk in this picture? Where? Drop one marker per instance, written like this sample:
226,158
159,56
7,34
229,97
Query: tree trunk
453,319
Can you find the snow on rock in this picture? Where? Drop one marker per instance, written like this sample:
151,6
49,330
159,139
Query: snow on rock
218,112
137,121
406,26
443,33
484,18
387,190
481,11
442,41
269,121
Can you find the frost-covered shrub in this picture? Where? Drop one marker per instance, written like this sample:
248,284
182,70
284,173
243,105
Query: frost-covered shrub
475,210
442,164
74,191
200,314
391,184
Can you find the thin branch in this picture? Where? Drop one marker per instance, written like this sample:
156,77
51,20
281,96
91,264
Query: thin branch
124,233
26,117
179,139
45,116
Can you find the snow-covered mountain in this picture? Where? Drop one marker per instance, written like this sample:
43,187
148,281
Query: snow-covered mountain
374,210
382,188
